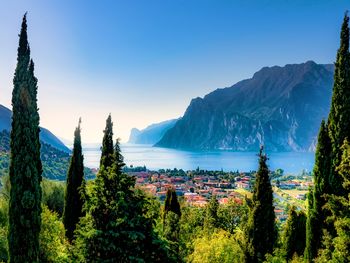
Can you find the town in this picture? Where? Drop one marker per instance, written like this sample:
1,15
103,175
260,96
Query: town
195,187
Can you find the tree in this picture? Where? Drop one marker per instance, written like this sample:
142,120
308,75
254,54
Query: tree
339,116
25,165
75,187
171,202
117,228
53,244
294,234
218,247
107,155
211,220
260,231
337,249
316,215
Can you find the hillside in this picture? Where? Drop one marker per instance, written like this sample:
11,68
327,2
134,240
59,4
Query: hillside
280,107
55,162
152,133
45,135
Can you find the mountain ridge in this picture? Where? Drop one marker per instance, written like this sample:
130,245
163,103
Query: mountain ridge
45,135
280,107
152,133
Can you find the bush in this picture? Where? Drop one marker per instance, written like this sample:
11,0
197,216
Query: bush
53,244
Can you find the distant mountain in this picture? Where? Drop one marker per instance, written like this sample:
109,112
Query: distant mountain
152,133
280,107
45,135
55,162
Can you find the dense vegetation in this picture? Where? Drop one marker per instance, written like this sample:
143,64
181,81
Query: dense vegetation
115,221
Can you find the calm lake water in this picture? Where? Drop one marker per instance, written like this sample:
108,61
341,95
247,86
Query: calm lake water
156,158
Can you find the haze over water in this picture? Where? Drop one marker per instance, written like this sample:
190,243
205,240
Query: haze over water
155,158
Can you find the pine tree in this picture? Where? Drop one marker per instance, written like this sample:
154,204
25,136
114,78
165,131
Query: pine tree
75,187
316,215
339,116
294,234
25,164
260,231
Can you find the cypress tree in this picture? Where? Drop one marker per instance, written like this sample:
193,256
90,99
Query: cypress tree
316,215
339,116
260,231
75,187
25,164
107,155
116,228
171,202
294,234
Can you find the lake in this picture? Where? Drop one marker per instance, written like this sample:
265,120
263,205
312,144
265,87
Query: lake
155,158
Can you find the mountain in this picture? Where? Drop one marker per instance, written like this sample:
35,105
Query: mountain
55,162
45,135
152,133
279,107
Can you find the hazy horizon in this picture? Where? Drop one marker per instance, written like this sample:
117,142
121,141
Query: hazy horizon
144,61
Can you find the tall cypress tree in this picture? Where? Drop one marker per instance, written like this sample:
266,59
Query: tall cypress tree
171,202
75,187
107,155
116,228
261,230
339,116
316,215
25,164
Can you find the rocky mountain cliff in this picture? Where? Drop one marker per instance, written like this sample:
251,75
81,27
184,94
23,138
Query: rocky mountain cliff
279,107
152,133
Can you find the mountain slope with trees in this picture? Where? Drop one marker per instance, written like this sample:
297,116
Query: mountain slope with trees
45,135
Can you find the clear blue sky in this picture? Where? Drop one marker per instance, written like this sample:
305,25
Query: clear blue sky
143,61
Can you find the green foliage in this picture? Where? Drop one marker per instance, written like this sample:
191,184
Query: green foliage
171,203
218,247
53,245
55,162
316,215
294,234
337,249
25,164
75,187
260,231
338,119
211,216
117,227
53,195
232,215
191,226
107,155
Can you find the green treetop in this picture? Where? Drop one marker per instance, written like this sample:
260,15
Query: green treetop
260,231
339,116
107,155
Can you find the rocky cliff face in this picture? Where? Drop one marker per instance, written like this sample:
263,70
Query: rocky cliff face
279,107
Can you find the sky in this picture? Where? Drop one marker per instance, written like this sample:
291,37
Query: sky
144,60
